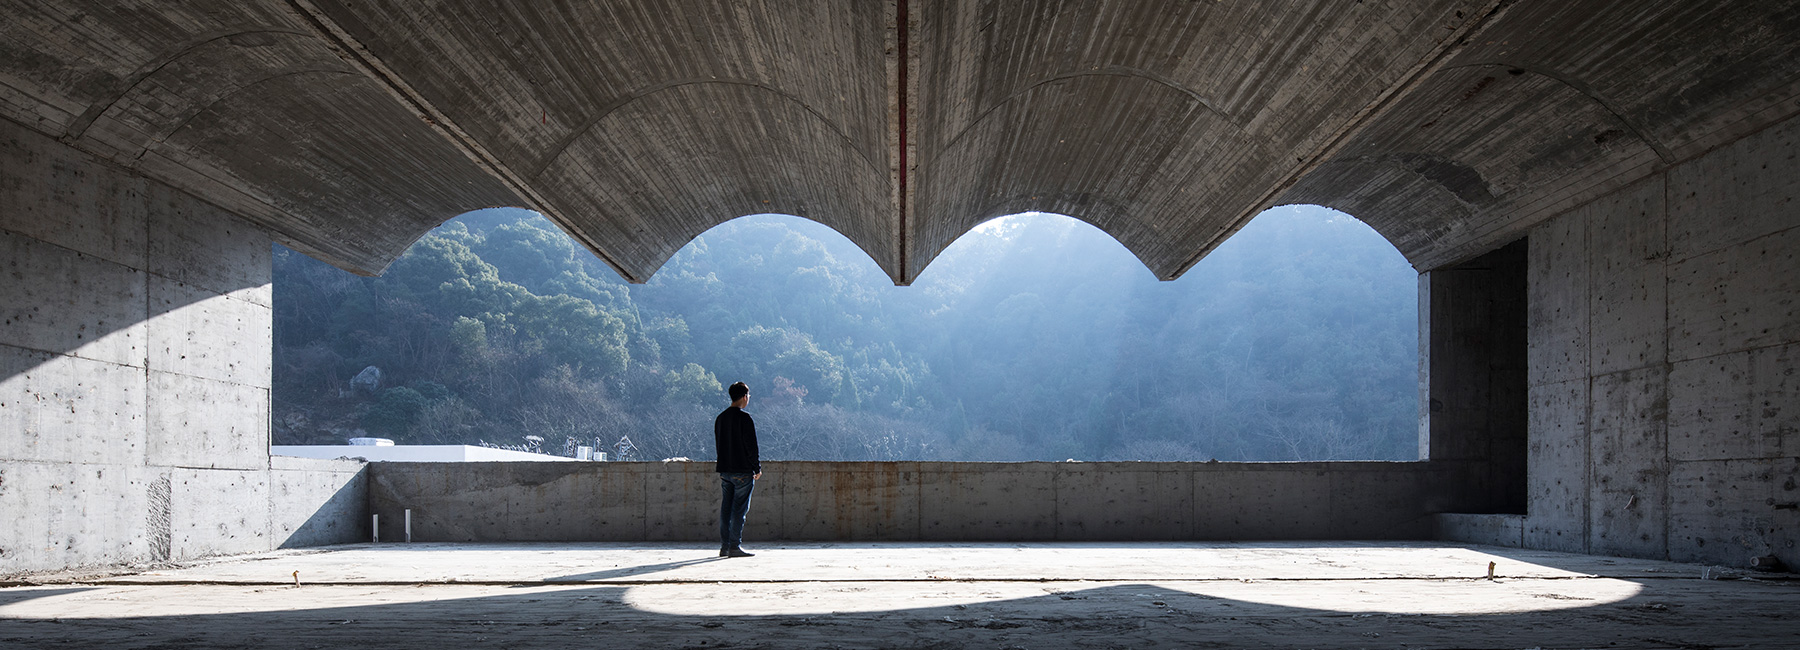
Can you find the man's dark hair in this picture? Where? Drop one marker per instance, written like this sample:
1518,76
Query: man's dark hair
738,391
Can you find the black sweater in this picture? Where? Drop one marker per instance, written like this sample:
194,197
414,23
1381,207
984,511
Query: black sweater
734,433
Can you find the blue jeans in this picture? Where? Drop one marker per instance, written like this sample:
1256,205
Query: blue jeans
734,507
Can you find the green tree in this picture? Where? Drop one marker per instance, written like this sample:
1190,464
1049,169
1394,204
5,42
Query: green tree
573,331
819,372
394,414
692,384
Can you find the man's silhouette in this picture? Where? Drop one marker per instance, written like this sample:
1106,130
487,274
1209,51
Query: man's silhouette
734,434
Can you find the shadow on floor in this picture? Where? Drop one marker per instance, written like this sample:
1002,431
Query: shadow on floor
632,571
1657,613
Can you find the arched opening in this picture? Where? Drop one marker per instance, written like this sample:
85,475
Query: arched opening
498,330
1032,337
1295,340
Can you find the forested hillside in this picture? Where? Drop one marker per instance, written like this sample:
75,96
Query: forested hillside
1033,338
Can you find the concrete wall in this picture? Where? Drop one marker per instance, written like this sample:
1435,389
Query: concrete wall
1664,362
899,501
134,375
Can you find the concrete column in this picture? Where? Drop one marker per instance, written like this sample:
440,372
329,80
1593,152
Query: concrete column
134,372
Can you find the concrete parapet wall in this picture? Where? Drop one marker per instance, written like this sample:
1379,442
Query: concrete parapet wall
134,376
1493,530
908,501
317,502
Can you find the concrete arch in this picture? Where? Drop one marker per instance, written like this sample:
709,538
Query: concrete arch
578,133
1372,226
1038,215
1041,151
1380,182
178,113
1476,141
156,65
294,175
1586,90
1109,71
782,216
1003,210
163,95
661,169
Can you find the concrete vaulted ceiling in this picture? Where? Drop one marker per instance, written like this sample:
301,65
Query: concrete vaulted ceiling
349,129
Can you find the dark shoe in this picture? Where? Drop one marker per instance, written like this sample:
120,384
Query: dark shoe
738,552
724,551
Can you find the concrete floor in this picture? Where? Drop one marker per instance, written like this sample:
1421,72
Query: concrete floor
899,595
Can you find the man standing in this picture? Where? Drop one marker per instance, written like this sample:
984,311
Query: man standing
734,433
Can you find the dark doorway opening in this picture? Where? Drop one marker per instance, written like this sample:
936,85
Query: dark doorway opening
1474,366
